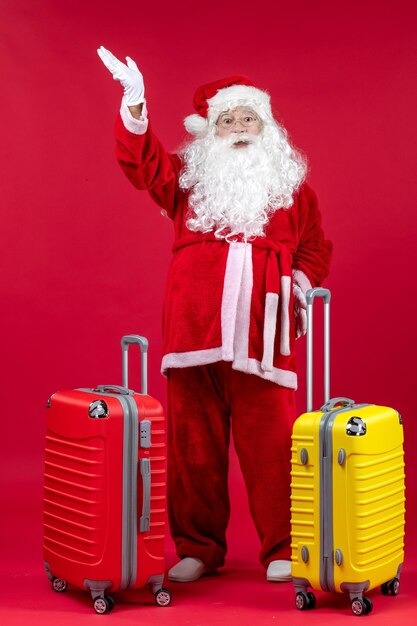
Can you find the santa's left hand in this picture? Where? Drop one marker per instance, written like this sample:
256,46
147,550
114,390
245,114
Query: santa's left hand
300,311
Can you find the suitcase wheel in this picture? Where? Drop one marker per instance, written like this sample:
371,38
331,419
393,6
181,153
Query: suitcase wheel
59,585
305,601
391,588
312,599
163,597
103,605
361,606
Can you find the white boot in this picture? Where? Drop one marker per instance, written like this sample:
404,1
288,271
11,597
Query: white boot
187,570
279,572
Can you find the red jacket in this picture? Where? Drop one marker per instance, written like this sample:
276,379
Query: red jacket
229,301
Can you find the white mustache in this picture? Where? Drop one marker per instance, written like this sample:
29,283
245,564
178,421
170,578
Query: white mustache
242,139
231,140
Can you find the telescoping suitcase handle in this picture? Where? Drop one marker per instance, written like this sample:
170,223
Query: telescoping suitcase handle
318,292
142,342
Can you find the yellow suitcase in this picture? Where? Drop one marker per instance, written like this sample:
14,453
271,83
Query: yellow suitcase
347,493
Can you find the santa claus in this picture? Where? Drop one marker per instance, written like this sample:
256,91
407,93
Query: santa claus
248,244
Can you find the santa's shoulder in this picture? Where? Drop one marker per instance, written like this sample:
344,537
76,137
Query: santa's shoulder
305,191
305,201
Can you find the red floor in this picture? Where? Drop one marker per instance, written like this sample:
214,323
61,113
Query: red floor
237,596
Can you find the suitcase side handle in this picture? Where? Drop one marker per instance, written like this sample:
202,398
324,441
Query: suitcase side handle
318,292
142,342
145,518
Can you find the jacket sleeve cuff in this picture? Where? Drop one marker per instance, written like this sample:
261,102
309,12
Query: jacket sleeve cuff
133,125
301,280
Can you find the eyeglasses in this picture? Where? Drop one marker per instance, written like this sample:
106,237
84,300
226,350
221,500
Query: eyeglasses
227,120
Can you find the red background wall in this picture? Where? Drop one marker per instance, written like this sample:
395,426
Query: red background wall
84,255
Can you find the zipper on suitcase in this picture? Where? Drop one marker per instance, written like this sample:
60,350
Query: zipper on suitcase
130,489
129,485
326,502
326,496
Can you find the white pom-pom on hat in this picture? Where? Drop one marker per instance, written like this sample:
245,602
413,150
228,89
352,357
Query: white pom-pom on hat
196,125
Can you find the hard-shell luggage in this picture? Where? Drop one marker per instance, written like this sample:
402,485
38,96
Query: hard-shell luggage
105,489
347,493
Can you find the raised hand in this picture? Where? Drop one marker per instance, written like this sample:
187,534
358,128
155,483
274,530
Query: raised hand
127,74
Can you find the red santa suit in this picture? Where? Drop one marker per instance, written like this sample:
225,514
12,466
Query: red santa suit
229,354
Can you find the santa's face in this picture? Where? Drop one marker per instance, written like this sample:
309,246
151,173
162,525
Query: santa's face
238,174
240,121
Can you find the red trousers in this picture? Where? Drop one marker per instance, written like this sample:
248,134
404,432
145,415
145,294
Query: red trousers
205,402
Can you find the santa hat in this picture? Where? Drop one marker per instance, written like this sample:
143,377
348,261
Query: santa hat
228,93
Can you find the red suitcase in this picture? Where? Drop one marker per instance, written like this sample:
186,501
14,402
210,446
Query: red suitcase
105,489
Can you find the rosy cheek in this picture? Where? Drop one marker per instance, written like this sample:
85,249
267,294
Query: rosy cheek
254,130
222,132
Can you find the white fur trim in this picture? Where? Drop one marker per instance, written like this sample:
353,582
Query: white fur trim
196,125
285,378
235,320
244,93
239,95
133,125
230,298
190,359
285,315
243,315
270,327
302,281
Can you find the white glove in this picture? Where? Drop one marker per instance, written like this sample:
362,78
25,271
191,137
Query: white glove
129,76
300,311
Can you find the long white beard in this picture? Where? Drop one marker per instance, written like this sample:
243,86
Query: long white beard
234,191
